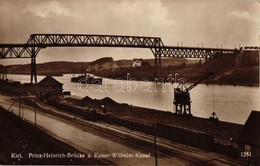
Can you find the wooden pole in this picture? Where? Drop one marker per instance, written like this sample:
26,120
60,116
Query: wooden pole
35,113
20,101
155,148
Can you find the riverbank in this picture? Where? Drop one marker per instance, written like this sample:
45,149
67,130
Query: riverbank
19,141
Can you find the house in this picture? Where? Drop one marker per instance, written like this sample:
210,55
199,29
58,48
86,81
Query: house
49,84
137,62
249,139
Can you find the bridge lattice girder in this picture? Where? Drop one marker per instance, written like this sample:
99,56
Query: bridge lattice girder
15,51
61,40
191,52
38,41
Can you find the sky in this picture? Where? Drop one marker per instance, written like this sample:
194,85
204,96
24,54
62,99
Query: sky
228,23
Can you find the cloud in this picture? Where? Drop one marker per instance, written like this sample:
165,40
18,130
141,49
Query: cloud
4,8
146,10
242,15
48,9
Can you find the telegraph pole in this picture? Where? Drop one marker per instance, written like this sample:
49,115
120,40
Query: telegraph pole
20,101
35,113
155,148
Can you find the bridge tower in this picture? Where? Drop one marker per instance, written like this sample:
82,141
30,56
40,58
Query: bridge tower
157,52
33,61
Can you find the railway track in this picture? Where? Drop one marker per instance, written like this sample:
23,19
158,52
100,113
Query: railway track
166,148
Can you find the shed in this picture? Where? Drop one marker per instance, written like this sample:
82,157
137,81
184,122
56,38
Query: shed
49,84
249,138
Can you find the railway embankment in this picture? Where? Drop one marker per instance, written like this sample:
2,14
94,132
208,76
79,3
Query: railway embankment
217,136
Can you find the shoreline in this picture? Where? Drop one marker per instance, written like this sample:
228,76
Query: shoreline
153,80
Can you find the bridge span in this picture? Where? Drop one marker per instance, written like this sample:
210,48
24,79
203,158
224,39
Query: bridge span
36,42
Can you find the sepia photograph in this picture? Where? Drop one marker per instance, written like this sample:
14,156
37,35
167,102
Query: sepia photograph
130,82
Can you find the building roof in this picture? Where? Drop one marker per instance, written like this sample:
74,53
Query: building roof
48,81
251,130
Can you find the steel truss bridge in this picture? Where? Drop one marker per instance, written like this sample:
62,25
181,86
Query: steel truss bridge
36,42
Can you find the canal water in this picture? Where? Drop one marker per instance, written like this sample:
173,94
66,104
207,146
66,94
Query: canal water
230,103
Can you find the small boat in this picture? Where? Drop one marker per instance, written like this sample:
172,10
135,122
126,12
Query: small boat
87,79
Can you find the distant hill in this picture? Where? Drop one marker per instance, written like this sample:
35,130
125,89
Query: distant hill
49,68
241,70
229,69
64,67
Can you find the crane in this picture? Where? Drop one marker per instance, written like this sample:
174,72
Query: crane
182,100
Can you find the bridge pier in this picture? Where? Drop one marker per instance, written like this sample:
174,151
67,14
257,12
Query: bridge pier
33,70
157,62
160,65
33,60
205,66
155,66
